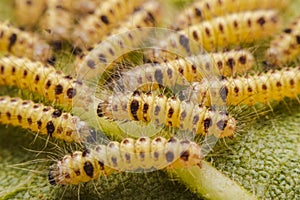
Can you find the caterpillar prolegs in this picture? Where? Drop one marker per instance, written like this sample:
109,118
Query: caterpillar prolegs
129,155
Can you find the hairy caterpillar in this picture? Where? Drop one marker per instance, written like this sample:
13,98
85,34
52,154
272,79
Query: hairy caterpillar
22,43
107,51
169,111
93,27
42,119
27,12
181,70
262,88
44,80
223,31
147,15
202,10
285,46
57,22
128,155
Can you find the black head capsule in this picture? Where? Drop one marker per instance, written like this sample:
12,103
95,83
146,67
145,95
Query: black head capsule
51,178
51,60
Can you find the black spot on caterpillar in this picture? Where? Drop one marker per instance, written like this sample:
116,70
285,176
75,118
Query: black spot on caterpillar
260,88
285,46
27,12
44,120
22,43
44,80
183,70
95,62
93,27
172,112
128,155
208,9
228,30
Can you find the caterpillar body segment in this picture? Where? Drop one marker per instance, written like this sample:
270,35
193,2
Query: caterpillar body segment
57,22
202,10
129,155
147,15
44,80
260,88
229,63
81,6
93,27
27,12
149,76
286,45
22,43
121,40
184,70
172,112
42,119
230,29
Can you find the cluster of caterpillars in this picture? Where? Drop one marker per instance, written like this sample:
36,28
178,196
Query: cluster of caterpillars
211,25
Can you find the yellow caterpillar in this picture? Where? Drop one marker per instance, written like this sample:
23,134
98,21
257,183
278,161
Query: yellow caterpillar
44,80
169,111
44,120
128,155
57,22
202,10
22,43
221,32
285,46
93,27
181,70
81,6
94,62
262,88
27,12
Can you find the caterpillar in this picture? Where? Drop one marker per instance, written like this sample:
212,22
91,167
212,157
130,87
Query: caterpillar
190,69
93,27
81,6
57,22
22,43
260,88
128,155
285,46
114,47
27,12
147,15
224,31
202,10
44,120
172,112
44,80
